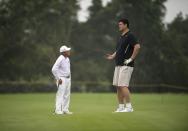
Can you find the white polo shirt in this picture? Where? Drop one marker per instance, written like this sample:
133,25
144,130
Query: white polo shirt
61,68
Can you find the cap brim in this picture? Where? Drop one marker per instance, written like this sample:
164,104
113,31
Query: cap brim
68,49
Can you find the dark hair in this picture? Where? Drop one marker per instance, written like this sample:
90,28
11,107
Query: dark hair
125,21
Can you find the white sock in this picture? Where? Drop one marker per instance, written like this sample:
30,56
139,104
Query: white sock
128,105
121,106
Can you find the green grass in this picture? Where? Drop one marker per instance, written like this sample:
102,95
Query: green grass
93,112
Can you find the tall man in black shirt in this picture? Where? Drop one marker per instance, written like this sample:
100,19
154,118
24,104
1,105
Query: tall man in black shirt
126,51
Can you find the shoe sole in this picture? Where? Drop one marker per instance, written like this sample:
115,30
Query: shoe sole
122,111
68,113
57,114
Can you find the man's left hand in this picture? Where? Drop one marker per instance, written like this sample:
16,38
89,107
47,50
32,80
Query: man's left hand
126,62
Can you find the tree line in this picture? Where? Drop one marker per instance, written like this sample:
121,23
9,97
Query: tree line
31,33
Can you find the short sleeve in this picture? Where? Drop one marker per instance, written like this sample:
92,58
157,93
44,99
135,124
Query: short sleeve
133,40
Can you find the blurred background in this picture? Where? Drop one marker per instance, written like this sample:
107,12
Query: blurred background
31,32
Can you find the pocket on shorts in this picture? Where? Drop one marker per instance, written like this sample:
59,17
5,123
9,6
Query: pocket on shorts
126,69
125,76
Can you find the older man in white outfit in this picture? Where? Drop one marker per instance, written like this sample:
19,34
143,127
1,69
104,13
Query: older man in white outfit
62,74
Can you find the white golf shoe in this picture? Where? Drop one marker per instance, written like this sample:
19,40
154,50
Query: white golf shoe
119,110
67,112
58,112
128,110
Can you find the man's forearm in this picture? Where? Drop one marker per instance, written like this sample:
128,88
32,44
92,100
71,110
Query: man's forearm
114,54
135,51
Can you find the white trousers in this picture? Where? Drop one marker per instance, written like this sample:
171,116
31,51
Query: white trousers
63,95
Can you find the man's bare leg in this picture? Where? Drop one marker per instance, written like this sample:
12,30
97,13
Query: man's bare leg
120,95
126,96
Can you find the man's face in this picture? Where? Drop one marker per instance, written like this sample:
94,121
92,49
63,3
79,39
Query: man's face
122,26
66,53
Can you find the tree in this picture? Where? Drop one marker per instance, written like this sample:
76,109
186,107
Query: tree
175,54
31,33
100,33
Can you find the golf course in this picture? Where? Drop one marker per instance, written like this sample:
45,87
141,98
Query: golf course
94,112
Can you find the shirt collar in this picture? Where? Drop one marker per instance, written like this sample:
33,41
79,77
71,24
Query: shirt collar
126,33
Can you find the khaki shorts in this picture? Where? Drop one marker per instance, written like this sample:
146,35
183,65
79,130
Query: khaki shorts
122,75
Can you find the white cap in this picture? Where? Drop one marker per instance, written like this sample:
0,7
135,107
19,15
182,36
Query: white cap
64,48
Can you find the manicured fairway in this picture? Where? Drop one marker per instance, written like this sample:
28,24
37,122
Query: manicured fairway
93,112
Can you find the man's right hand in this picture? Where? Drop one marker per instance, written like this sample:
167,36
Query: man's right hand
60,82
109,57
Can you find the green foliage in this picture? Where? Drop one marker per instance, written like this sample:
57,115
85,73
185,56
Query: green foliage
31,33
175,54
100,33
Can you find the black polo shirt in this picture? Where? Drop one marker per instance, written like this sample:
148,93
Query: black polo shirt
124,48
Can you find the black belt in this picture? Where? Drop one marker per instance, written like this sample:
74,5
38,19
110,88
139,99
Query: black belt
66,76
